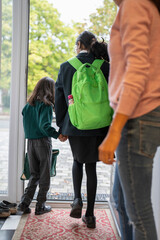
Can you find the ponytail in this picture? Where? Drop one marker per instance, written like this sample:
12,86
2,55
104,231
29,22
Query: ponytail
100,50
90,42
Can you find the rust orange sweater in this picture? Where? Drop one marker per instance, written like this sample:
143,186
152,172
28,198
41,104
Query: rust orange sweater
134,49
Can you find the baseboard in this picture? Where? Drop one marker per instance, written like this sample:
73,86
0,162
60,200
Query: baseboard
66,204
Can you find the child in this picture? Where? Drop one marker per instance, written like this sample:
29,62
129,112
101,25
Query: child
37,119
84,143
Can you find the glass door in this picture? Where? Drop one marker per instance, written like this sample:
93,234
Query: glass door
13,75
6,7
51,44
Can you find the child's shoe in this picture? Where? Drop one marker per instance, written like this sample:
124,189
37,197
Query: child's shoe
23,207
41,209
76,211
89,221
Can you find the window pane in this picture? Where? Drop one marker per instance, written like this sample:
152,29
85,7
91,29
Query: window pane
5,80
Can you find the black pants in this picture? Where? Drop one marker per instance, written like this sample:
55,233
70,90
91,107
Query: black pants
39,156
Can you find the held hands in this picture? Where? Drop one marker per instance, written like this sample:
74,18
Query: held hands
62,138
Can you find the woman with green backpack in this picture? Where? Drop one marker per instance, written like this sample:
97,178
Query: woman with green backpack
84,136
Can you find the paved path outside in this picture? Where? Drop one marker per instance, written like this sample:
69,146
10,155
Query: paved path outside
61,185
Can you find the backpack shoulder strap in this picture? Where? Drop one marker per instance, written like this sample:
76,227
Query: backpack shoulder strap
75,62
97,63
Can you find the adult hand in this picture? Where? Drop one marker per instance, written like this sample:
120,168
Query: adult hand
108,147
62,138
110,143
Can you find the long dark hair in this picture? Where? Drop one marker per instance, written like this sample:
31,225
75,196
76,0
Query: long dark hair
157,3
90,42
43,92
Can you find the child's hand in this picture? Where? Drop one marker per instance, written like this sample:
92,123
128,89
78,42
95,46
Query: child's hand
62,138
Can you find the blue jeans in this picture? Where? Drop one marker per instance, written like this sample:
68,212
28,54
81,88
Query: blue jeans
135,153
125,226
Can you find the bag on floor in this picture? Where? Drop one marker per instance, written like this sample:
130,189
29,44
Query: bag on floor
90,108
26,172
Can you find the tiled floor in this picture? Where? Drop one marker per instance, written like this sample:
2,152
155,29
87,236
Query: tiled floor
8,226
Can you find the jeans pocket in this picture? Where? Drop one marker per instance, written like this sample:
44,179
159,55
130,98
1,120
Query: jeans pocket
149,137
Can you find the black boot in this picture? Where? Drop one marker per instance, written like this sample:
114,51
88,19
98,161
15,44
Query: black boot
23,207
90,221
41,209
76,211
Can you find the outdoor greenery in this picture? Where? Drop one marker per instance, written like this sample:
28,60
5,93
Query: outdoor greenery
51,41
100,22
6,48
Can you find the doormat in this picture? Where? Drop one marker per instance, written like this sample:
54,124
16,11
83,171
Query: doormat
58,225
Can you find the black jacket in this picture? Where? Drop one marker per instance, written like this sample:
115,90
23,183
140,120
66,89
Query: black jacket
63,89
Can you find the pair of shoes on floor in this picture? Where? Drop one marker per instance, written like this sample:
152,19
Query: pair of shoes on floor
41,209
23,207
7,208
90,221
76,206
4,212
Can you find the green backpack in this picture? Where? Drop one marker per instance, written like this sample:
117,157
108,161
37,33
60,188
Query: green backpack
90,109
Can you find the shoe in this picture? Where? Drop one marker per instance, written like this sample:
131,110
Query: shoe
76,211
42,209
28,210
89,221
4,212
11,206
23,207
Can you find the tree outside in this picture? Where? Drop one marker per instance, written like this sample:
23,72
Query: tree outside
6,49
51,41
100,21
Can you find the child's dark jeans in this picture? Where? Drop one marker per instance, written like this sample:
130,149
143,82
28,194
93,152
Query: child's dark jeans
39,156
